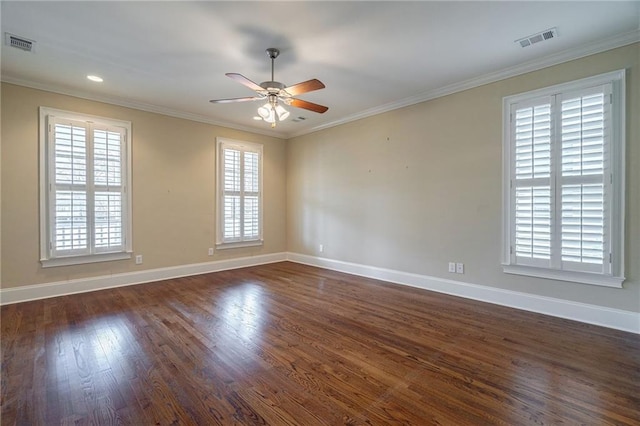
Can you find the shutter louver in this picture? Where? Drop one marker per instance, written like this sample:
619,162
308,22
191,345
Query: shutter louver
533,142
583,136
533,222
70,220
107,158
70,154
108,220
582,223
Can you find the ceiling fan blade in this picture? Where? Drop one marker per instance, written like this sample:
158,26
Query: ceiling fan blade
227,101
304,87
244,80
299,103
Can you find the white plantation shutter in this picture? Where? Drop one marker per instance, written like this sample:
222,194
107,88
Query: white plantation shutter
251,219
69,188
532,187
85,204
584,118
109,189
565,168
239,210
232,194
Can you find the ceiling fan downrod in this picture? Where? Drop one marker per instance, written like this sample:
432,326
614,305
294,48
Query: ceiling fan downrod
273,54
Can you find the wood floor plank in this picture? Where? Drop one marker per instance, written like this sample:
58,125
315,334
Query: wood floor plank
288,344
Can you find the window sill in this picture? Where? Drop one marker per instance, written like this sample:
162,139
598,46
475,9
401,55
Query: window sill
80,260
240,244
570,276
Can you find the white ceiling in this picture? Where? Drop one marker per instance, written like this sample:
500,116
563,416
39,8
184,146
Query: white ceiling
171,57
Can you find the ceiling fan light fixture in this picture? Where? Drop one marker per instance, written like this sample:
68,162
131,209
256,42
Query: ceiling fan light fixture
276,94
265,111
271,118
282,113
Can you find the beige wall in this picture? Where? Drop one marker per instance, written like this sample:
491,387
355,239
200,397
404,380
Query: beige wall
408,190
415,188
173,189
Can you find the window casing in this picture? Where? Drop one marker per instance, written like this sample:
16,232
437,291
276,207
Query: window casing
239,194
85,201
563,189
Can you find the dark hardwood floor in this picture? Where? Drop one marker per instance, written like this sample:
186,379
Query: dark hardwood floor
287,344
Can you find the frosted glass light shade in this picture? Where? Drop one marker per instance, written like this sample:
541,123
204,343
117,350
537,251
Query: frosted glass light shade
282,113
265,111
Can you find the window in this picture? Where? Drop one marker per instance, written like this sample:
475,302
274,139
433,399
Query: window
564,181
239,206
84,198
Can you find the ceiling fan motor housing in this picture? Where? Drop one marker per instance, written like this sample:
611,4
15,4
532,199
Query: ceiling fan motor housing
272,86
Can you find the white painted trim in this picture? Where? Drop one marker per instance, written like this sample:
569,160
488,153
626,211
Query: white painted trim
140,106
548,61
83,285
609,274
561,275
244,147
591,314
80,260
554,59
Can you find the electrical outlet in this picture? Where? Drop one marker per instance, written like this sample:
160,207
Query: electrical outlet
452,267
139,259
459,268
210,251
321,248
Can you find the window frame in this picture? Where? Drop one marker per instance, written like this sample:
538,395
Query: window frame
242,146
613,276
48,257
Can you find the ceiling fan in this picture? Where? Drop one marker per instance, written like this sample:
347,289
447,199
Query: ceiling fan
276,94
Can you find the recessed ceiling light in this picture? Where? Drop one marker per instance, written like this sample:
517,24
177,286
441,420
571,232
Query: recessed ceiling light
95,78
257,117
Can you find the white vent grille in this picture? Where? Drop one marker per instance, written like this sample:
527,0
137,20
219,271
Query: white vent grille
18,42
537,38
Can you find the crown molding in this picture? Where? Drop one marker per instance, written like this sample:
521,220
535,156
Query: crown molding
550,60
526,67
141,106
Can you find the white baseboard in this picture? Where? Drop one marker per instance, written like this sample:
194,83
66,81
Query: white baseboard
591,314
83,285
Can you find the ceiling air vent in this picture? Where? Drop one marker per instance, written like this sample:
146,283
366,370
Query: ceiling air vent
537,38
19,42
